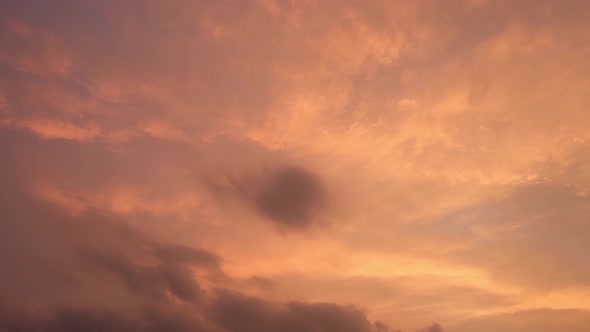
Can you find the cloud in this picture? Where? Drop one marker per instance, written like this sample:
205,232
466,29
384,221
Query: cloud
96,272
229,312
90,260
381,327
444,145
71,321
246,314
292,197
435,328
166,277
524,235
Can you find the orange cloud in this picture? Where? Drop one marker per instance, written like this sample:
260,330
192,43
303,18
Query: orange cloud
437,165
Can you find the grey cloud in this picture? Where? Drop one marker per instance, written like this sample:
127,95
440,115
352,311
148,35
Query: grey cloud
331,317
155,319
227,312
382,327
180,282
171,318
435,328
292,197
187,255
246,314
261,283
70,320
151,281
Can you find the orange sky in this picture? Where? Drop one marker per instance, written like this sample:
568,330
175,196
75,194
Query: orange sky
270,165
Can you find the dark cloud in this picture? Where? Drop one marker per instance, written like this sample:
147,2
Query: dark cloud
435,328
187,255
261,283
70,320
227,312
155,282
237,312
292,197
382,327
170,271
155,318
330,317
171,318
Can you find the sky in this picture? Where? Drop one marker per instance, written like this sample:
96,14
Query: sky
303,165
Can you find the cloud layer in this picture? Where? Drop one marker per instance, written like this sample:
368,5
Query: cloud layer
307,166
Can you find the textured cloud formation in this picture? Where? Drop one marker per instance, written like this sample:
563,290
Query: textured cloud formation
144,285
316,165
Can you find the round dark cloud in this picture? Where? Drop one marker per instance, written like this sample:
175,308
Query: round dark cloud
292,197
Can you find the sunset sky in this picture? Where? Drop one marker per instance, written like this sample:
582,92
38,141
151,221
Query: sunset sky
294,165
